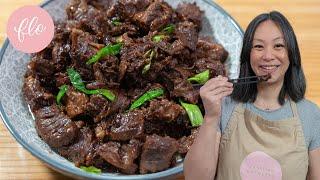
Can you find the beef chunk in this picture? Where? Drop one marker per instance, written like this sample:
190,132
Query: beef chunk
157,153
178,86
187,34
190,12
83,150
54,127
35,95
186,142
215,67
121,156
155,17
164,110
61,79
118,105
212,51
106,71
76,102
127,125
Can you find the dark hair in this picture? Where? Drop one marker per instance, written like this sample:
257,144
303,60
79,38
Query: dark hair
294,84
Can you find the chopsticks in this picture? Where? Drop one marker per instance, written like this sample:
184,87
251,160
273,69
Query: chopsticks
243,80
249,79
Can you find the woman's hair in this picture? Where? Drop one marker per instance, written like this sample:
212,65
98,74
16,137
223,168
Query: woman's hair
294,84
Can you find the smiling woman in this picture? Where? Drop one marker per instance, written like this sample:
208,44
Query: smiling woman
246,131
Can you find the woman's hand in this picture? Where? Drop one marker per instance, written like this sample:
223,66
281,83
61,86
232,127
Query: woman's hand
212,93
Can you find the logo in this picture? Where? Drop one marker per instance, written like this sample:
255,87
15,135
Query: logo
259,165
30,29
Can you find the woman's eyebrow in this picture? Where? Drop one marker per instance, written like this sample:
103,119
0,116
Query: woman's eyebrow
277,38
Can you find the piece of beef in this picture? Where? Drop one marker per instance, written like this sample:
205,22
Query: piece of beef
82,50
157,153
186,142
190,12
75,102
127,9
186,33
215,67
83,152
60,56
118,105
121,156
175,80
61,79
54,127
35,95
106,71
156,16
87,17
164,110
126,126
213,51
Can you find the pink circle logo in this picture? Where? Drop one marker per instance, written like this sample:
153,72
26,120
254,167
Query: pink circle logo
30,29
259,165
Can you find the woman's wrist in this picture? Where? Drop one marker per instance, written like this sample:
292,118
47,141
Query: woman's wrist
211,120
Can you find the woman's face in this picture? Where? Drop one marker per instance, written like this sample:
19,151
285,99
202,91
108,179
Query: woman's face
269,54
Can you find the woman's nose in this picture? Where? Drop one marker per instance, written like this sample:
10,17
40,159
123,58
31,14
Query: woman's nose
268,54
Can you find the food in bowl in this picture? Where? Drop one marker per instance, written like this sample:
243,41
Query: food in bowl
114,89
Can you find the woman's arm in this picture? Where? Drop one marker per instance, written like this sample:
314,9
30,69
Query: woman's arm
314,165
201,160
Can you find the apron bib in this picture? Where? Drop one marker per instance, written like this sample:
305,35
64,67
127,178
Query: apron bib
253,148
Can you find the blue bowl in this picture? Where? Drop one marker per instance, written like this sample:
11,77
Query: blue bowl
19,121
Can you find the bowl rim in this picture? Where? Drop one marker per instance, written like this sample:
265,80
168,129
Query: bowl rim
64,169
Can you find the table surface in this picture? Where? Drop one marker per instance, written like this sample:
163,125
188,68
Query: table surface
17,163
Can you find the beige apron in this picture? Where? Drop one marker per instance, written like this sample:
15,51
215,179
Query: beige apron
253,148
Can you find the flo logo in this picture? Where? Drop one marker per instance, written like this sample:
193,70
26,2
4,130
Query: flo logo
30,29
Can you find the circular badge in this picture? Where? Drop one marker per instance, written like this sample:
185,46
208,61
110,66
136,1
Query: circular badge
259,165
30,29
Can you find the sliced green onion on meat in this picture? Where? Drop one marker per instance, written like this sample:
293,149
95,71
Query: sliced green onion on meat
149,55
91,169
200,78
194,113
158,38
108,50
169,29
61,93
116,22
77,83
149,95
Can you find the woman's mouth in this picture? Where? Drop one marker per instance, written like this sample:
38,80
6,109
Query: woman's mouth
269,68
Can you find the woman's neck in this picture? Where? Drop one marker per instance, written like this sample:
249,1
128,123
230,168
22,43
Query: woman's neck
267,96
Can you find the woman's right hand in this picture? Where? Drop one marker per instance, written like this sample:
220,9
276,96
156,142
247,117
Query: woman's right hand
212,93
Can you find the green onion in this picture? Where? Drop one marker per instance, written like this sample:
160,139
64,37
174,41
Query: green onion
158,38
149,95
108,50
91,169
169,29
116,22
149,54
194,113
146,68
61,93
200,78
77,82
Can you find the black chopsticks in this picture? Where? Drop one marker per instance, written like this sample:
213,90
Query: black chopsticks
243,80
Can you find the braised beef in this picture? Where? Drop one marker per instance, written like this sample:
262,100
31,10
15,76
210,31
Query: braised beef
161,48
157,153
54,127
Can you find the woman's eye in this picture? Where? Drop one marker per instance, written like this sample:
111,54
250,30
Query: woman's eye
278,46
257,46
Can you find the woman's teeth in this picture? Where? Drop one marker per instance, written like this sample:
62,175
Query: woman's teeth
269,67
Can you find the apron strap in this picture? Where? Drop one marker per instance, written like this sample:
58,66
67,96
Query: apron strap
294,108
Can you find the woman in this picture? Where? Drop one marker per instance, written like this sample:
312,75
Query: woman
265,130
